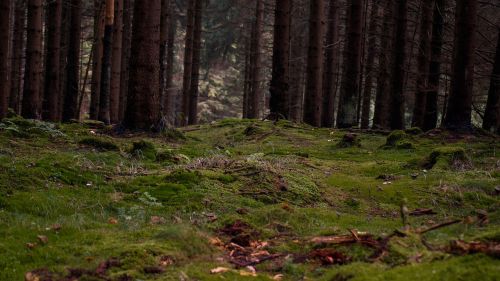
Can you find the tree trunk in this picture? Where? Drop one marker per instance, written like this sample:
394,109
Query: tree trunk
17,55
298,57
397,109
70,110
352,56
95,91
491,120
373,32
164,25
116,64
53,59
107,51
126,42
171,92
255,96
431,103
458,114
314,84
247,76
424,54
195,75
143,108
4,56
279,88
33,69
188,62
331,60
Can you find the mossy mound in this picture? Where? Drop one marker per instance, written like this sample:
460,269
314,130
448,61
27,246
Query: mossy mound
414,131
28,128
349,140
398,139
100,144
144,149
94,124
252,130
444,157
173,134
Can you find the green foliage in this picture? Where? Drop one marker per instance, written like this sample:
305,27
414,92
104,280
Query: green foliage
144,149
100,144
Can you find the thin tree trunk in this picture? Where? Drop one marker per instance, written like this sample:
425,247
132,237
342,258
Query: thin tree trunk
164,25
195,76
423,61
107,47
247,75
255,95
170,95
116,64
53,59
95,88
314,85
17,55
4,56
352,56
297,62
491,120
431,103
33,69
188,62
143,106
458,114
331,60
126,42
279,88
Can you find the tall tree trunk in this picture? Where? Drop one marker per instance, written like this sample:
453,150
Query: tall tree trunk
352,56
4,56
164,25
65,37
107,51
33,69
195,75
247,76
53,59
188,62
298,60
423,61
171,92
397,103
373,32
255,96
70,110
458,114
331,60
381,114
279,88
95,88
143,109
18,43
116,64
491,120
314,84
431,103
126,42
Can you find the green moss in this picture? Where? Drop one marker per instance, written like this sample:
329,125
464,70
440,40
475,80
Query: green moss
100,144
394,138
443,157
414,131
173,134
144,149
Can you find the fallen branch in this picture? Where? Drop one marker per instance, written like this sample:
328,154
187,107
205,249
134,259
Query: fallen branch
437,226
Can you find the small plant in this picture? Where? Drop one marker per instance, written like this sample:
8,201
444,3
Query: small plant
144,149
149,200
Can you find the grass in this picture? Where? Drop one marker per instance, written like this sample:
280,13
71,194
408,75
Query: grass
288,182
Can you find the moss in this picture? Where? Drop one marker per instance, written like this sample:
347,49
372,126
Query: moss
394,138
349,140
144,149
405,145
100,144
173,134
252,130
443,157
414,131
188,178
94,124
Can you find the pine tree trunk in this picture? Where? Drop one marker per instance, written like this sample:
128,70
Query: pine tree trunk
188,62
4,57
431,103
116,64
397,101
164,25
491,120
352,56
95,91
279,88
195,75
33,69
18,43
107,51
458,114
373,31
70,109
143,108
255,96
53,58
171,92
298,60
65,36
126,42
246,79
331,61
314,83
423,61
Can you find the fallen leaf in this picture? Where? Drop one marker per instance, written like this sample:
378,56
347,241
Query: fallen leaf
56,227
157,220
43,239
219,270
31,245
112,221
278,277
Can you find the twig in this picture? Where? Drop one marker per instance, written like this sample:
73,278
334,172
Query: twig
440,225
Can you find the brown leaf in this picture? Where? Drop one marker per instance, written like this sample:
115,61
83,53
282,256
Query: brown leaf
112,220
157,220
43,239
31,245
220,269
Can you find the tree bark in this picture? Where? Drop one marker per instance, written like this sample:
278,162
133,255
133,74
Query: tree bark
431,103
4,57
107,51
18,44
126,42
33,69
95,95
331,61
195,75
491,120
116,64
53,58
298,59
143,108
164,26
314,84
188,62
397,103
279,87
255,96
423,61
171,92
458,114
352,56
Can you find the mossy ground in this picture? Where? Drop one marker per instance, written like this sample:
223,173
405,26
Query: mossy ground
293,182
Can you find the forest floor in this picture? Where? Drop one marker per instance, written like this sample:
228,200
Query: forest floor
246,200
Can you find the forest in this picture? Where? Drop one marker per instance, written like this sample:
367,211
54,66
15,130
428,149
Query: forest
284,140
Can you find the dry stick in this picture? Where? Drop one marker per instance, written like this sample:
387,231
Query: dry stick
436,226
